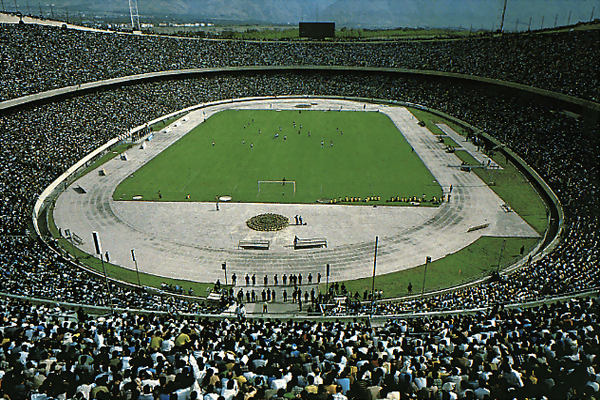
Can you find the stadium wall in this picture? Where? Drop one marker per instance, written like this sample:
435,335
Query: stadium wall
573,104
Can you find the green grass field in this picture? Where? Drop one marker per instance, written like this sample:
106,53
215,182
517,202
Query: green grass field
477,260
514,189
344,33
329,155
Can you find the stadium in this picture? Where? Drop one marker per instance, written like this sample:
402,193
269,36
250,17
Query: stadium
79,323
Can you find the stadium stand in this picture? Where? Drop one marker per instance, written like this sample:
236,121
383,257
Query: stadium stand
37,58
498,353
547,352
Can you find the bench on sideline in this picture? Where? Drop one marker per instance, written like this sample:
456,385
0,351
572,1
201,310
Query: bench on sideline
254,244
308,243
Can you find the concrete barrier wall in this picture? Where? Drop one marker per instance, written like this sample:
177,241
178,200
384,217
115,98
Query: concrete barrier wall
69,314
568,101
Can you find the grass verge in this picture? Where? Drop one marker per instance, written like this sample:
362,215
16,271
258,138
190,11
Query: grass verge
512,187
479,259
509,184
107,157
431,120
120,273
163,124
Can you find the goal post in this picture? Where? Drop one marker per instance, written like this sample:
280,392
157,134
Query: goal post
275,186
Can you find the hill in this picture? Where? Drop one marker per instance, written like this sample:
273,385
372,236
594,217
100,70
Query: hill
345,13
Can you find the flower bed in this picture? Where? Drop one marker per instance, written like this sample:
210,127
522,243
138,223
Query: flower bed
268,222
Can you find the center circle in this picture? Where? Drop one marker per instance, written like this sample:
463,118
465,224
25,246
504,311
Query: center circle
268,222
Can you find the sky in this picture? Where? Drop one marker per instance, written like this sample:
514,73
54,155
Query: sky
467,13
351,13
488,12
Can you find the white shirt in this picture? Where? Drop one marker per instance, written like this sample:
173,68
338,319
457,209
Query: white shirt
420,382
480,393
277,384
167,345
228,394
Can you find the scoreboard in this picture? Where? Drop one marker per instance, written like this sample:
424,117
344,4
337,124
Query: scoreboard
317,30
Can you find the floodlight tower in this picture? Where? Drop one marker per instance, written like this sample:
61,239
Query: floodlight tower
135,16
503,14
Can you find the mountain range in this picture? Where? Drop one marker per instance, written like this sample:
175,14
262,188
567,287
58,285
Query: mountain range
345,13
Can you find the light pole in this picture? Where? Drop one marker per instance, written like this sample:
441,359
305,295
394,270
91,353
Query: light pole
327,277
69,234
503,14
373,281
500,256
492,182
98,247
136,267
427,261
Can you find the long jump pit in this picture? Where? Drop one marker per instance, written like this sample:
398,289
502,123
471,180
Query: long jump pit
191,241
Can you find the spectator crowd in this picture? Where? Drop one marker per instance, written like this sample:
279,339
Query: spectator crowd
36,58
546,352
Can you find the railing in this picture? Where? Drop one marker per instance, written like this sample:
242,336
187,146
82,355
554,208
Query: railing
316,315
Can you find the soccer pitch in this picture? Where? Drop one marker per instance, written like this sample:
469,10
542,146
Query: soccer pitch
327,154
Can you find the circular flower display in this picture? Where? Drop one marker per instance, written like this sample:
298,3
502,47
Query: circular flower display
268,222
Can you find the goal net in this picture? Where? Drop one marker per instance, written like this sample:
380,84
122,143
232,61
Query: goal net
276,188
